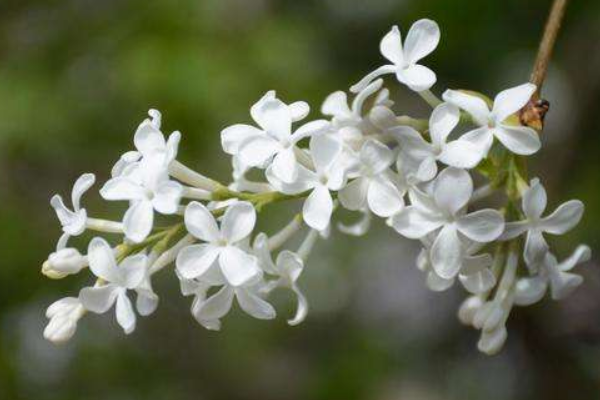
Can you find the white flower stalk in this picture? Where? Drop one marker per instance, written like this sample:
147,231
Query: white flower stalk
325,151
221,249
73,221
273,143
63,315
117,280
457,153
422,38
445,213
495,123
552,274
562,220
377,186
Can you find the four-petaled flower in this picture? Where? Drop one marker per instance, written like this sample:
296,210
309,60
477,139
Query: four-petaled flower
457,153
117,280
423,37
446,211
496,122
563,219
73,221
222,248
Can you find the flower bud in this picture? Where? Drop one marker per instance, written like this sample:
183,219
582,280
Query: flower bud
64,262
63,315
491,342
468,309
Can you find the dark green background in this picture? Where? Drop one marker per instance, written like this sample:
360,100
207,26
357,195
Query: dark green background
76,77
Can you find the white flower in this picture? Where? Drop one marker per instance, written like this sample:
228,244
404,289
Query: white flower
128,275
209,311
375,185
73,221
198,289
554,274
287,268
64,315
274,142
446,211
66,261
563,219
325,151
458,153
495,123
423,37
221,249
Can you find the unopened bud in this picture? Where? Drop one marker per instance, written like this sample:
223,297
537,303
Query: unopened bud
64,262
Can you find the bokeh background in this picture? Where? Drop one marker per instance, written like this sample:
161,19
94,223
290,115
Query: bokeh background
77,76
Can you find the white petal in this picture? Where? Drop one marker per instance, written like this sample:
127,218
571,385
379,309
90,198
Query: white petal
514,229
417,77
256,151
452,189
195,260
233,136
133,270
412,142
285,166
122,188
384,198
200,222
324,149
511,100
138,221
238,221
564,218
534,200
562,284
102,260
299,110
274,116
437,283
535,247
415,223
422,38
581,254
377,156
354,195
216,306
461,154
479,282
336,104
148,138
146,302
473,105
237,266
309,129
468,309
99,299
305,180
530,290
482,138
260,248
318,208
446,253
167,197
427,169
290,266
83,183
125,314
391,46
254,305
482,226
172,147
520,140
301,309
443,120
491,342
475,264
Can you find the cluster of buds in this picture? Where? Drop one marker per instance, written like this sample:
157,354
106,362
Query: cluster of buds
416,174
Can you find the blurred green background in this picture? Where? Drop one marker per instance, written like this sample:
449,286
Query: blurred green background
77,76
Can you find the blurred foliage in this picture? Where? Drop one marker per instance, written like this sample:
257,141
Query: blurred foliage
77,76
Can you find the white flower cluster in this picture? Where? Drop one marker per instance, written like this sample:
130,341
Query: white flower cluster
415,173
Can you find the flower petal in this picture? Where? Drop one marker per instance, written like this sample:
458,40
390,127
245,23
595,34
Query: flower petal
336,105
102,260
391,46
473,105
520,140
443,120
354,195
285,166
446,253
482,138
324,149
99,299
511,100
299,110
238,222
530,290
200,222
317,208
514,229
461,154
452,189
237,266
438,284
133,270
422,38
195,260
309,129
254,305
377,156
482,226
301,308
82,184
216,306
384,198
564,218
167,197
256,151
274,116
233,136
138,220
581,254
479,282
148,138
534,200
122,188
417,77
125,315
415,223
535,247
